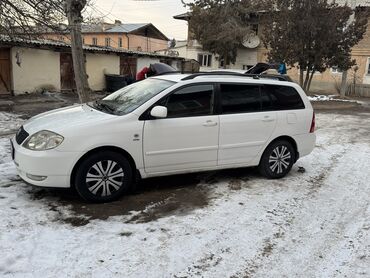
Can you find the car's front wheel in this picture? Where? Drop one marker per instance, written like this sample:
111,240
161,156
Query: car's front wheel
103,177
277,160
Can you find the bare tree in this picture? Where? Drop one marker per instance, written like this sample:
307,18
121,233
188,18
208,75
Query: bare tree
31,18
19,17
313,35
221,25
73,9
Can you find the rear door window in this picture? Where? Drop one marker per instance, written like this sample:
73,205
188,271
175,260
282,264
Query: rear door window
239,98
281,98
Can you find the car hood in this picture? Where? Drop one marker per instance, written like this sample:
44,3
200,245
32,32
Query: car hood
71,117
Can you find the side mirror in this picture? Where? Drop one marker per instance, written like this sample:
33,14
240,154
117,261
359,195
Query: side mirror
159,112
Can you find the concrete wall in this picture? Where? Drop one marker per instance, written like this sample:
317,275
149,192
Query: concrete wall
146,44
99,64
245,57
145,62
192,53
38,70
134,42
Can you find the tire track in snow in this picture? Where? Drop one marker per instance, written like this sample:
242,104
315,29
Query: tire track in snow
338,234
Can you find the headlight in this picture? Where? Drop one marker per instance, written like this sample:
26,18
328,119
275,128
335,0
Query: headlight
43,140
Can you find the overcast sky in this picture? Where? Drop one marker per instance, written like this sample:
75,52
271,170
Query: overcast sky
159,12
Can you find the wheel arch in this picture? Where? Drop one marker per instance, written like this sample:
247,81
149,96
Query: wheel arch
99,149
288,139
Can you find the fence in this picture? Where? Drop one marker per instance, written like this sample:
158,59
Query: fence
358,90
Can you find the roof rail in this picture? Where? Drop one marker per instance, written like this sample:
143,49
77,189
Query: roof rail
173,72
167,72
254,76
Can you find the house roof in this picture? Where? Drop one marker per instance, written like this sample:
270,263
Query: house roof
145,29
50,44
126,28
184,16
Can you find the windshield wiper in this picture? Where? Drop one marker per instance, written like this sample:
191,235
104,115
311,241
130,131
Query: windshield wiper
103,106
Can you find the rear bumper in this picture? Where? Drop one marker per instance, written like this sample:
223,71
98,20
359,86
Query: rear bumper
53,166
305,143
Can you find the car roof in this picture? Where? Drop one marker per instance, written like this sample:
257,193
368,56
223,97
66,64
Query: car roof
214,77
230,70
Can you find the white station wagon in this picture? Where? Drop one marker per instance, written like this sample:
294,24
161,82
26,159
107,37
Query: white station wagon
164,125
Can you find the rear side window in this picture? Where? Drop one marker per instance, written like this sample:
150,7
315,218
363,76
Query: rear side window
280,98
236,98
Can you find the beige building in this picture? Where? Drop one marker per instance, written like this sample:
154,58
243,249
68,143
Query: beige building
328,81
247,56
132,36
39,65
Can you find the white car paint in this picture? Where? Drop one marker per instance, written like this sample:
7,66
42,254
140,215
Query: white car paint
163,146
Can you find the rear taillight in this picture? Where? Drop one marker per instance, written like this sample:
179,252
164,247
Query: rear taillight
313,124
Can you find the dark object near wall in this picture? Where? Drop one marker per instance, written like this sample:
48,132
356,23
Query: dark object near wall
261,67
160,68
115,82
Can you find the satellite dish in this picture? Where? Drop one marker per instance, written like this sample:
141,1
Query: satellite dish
251,41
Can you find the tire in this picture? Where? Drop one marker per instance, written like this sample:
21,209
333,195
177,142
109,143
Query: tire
103,177
277,160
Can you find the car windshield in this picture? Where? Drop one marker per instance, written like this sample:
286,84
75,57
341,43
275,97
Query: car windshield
131,97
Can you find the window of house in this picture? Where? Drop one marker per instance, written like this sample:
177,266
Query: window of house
205,60
221,63
368,66
95,41
107,41
336,69
120,42
190,101
254,28
237,98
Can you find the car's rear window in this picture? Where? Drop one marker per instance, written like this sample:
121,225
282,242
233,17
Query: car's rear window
276,97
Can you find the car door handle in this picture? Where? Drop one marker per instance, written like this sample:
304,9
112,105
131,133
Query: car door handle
210,124
268,119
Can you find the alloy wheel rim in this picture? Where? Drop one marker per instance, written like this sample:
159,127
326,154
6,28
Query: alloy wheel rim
104,178
279,160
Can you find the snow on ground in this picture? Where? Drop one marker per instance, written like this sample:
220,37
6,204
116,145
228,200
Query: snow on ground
313,223
327,98
9,123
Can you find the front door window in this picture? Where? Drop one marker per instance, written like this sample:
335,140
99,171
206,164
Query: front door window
190,102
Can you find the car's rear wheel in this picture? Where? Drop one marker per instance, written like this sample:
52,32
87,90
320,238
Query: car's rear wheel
277,160
103,177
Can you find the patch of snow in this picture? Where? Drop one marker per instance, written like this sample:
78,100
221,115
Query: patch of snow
9,123
312,224
328,98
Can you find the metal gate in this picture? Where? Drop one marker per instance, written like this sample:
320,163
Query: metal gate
5,76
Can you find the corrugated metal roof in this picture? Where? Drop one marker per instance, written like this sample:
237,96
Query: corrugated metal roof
126,28
112,28
50,43
122,28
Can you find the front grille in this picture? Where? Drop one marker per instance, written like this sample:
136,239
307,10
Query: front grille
21,135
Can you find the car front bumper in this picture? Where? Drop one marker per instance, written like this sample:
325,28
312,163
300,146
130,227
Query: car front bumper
49,168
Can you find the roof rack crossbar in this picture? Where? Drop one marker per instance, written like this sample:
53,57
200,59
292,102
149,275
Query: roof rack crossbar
254,76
